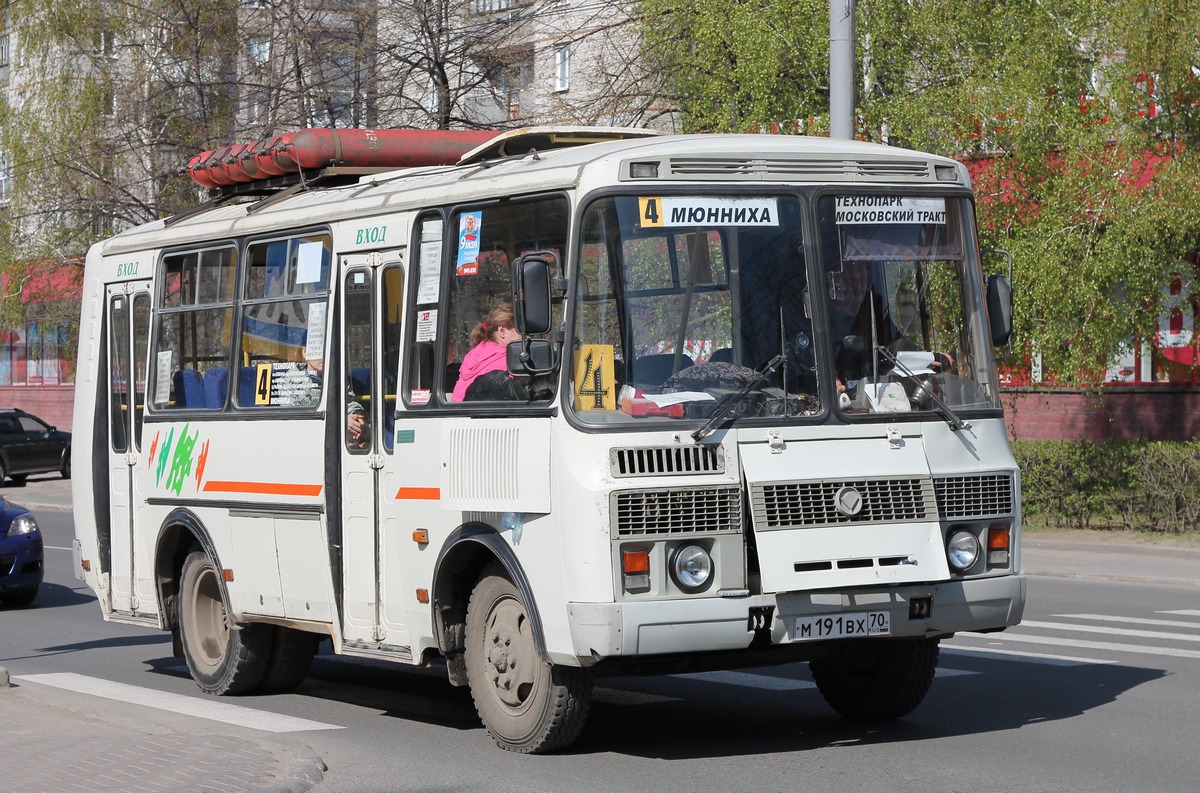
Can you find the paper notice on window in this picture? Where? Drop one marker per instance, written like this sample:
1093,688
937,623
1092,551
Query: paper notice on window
314,345
666,400
309,257
431,277
162,378
915,362
427,325
855,209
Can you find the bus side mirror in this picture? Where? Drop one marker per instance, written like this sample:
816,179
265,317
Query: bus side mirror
531,357
999,306
531,276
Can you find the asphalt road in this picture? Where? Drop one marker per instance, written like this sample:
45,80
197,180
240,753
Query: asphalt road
1095,691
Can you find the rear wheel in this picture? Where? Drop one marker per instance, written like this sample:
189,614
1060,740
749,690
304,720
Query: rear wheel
19,479
292,654
223,658
526,704
877,679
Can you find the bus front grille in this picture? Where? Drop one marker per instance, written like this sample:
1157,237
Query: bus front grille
977,496
683,510
811,504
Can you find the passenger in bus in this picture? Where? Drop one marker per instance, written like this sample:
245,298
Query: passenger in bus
489,343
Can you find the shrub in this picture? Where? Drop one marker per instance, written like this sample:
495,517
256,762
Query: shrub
1135,485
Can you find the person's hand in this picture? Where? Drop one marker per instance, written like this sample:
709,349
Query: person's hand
355,424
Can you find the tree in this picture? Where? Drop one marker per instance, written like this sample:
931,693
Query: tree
1079,119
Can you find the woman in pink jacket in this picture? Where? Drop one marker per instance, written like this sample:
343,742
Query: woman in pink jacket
489,341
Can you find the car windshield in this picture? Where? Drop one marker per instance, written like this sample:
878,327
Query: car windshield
686,302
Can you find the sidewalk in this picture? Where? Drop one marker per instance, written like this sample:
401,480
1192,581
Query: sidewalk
59,742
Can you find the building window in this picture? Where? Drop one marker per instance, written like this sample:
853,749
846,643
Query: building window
259,50
562,68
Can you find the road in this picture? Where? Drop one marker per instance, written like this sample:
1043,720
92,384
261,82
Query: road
1095,691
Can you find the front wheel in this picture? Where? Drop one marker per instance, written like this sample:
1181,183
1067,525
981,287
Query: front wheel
526,704
223,658
877,679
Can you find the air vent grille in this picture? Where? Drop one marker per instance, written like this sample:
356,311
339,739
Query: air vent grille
666,461
974,496
778,168
685,510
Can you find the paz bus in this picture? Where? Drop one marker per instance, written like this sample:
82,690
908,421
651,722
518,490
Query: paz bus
752,416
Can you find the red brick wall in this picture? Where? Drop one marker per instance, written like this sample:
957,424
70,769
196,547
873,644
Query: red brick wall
1168,413
52,404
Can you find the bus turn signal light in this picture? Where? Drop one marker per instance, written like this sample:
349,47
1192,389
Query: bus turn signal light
635,564
997,546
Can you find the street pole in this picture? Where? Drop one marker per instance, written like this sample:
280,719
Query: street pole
841,69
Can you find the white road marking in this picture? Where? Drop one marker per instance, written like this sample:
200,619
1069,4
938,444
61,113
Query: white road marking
1106,646
1131,620
1182,612
178,703
1042,658
1068,626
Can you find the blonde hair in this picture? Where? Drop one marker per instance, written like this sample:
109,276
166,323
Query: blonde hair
499,317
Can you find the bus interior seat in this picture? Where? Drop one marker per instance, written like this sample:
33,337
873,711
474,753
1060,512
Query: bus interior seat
246,380
216,385
723,355
360,381
188,389
653,370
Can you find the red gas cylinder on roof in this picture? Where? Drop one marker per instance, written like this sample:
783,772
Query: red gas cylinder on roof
315,149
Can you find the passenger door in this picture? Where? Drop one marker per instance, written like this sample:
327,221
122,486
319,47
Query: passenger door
371,309
128,339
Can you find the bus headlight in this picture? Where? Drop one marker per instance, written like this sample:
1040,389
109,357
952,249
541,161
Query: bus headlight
962,550
691,568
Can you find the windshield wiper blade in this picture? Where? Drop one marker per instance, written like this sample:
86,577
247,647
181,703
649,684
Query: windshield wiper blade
724,410
940,407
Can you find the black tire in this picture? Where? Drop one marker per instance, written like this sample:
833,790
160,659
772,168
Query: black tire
877,679
526,704
292,654
19,597
66,465
19,479
3,472
223,658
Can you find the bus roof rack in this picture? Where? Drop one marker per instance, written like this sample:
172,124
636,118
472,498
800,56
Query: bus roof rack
520,141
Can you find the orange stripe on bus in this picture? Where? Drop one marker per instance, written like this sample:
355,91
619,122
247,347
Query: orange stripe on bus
422,493
263,488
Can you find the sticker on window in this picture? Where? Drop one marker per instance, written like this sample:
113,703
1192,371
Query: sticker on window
707,211
468,243
859,209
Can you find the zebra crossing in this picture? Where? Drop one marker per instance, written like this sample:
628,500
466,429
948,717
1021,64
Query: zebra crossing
1093,638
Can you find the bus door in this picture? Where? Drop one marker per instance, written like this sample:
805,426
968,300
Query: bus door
372,300
128,306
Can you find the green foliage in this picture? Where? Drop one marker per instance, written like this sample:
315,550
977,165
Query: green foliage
1132,485
1063,109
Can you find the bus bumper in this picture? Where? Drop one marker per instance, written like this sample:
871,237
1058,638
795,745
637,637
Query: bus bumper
602,630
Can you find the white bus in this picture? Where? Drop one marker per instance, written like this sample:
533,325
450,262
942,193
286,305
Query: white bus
749,415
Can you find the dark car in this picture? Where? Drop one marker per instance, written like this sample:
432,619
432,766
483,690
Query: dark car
21,555
29,445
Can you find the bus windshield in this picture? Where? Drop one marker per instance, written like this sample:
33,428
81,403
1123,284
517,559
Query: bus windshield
685,302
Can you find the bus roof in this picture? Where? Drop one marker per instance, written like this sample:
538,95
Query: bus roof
664,161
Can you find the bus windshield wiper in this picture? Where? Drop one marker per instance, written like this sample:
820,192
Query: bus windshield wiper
727,408
940,407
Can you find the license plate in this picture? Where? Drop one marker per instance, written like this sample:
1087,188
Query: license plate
843,626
